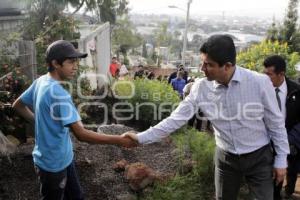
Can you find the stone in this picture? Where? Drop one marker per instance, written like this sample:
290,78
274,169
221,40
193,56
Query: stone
7,144
120,165
13,140
30,140
139,175
113,129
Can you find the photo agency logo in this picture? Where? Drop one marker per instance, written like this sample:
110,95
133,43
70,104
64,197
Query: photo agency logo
120,110
213,106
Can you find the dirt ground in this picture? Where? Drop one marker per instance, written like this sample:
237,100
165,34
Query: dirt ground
296,195
18,180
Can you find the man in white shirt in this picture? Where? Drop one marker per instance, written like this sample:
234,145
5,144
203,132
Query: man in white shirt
288,99
240,105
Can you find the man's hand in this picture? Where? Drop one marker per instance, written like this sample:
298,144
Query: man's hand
279,174
131,135
129,139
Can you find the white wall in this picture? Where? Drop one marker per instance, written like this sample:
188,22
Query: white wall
97,45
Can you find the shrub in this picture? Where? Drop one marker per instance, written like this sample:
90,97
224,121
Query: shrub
199,184
147,98
13,82
253,57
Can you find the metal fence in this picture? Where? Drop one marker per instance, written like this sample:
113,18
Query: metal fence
19,60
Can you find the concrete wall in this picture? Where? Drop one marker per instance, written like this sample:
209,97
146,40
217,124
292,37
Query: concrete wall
97,45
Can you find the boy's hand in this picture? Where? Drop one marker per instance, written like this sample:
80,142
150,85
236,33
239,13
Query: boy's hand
128,141
131,135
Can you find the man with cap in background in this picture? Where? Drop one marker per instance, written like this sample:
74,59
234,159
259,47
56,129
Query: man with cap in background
50,107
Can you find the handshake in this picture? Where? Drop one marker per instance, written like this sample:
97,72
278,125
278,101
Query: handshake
129,139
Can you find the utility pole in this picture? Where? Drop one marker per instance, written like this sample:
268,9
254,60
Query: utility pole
185,31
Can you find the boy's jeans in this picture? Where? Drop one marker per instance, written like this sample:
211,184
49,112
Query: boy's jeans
62,185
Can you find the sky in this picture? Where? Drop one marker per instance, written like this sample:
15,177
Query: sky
256,8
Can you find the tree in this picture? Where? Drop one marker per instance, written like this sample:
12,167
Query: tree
78,4
176,45
144,52
41,11
196,42
253,57
288,32
273,32
110,9
162,36
47,23
45,16
290,22
124,37
44,13
106,10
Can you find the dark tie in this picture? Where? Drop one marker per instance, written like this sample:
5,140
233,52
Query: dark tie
278,98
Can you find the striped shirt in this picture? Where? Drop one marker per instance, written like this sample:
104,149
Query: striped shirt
244,114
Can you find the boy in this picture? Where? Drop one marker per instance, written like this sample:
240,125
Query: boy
53,114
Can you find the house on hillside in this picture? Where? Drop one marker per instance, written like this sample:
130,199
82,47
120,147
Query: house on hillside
23,54
12,16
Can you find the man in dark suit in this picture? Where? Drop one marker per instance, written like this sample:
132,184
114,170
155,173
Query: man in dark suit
288,99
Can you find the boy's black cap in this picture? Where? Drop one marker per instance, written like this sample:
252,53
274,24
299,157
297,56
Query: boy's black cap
61,49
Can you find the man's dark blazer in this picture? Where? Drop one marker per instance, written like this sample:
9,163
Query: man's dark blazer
292,122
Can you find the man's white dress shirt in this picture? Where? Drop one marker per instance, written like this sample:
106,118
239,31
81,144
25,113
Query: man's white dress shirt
244,114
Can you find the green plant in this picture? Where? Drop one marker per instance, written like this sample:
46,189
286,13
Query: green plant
8,55
13,83
253,57
201,146
125,37
149,98
199,184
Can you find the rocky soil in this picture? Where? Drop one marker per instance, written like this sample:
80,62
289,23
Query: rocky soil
99,180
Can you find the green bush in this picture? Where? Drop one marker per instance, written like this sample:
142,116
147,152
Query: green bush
199,184
253,57
147,99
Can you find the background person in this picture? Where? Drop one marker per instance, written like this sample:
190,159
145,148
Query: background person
123,70
114,67
174,74
140,72
288,100
178,83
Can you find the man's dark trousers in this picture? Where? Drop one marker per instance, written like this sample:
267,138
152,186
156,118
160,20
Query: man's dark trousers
255,167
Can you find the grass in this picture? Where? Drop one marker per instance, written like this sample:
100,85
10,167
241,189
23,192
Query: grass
198,184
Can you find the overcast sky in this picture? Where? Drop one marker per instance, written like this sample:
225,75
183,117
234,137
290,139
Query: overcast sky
262,8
